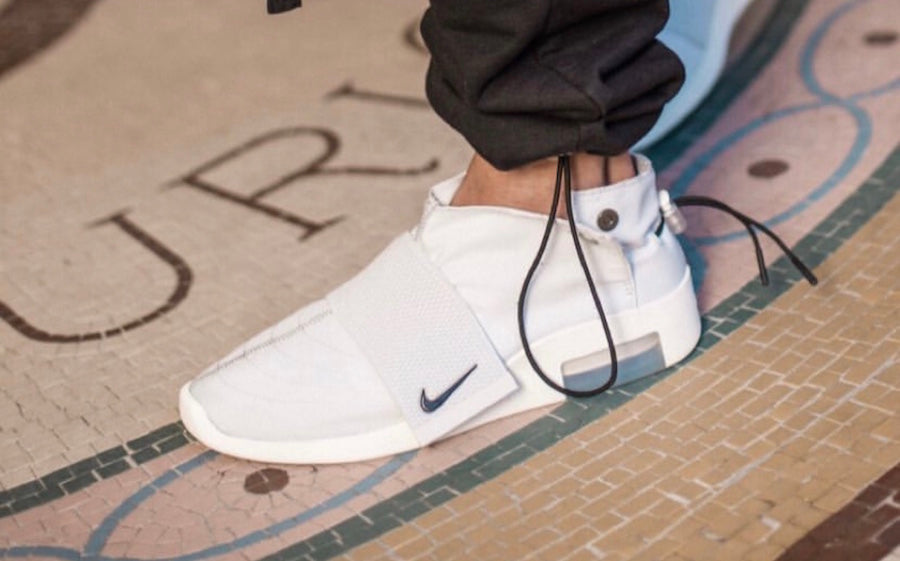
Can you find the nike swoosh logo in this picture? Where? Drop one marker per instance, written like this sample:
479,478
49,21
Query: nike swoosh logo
432,405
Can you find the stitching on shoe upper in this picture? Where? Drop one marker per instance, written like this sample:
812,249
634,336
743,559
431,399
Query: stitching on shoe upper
269,342
434,203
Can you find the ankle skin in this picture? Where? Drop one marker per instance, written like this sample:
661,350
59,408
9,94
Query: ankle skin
530,187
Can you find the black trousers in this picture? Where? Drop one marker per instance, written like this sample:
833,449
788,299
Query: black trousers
527,79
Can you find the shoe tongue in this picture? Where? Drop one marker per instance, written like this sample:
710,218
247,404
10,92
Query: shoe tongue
627,210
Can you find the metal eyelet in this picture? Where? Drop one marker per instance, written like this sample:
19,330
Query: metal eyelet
608,220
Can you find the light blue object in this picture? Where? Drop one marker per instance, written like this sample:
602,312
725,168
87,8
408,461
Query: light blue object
699,31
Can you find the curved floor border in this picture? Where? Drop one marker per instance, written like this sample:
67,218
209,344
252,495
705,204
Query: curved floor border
116,460
98,539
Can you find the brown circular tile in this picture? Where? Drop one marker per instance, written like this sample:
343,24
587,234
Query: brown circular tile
767,169
266,481
881,37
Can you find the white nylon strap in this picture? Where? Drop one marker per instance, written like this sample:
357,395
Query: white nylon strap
421,336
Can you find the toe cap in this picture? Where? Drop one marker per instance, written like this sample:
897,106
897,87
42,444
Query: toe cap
303,379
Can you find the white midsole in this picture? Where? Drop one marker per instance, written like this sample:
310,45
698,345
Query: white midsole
673,319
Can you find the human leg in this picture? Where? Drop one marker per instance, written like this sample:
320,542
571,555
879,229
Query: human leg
491,305
376,367
526,79
527,187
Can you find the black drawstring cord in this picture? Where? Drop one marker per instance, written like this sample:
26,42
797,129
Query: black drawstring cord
564,171
750,224
564,177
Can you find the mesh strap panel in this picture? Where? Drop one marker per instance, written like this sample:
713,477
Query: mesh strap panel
421,336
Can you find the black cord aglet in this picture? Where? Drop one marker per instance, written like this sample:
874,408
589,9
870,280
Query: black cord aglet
804,270
750,224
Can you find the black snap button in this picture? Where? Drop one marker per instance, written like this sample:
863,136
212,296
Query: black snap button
608,220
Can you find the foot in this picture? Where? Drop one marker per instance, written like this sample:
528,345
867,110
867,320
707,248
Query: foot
426,341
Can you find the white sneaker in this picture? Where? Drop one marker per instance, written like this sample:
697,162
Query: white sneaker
426,341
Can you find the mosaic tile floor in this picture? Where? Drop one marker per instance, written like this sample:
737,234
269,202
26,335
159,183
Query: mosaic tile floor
167,191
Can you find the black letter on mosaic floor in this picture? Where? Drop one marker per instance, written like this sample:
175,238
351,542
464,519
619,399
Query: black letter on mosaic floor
331,144
182,272
29,26
413,39
351,91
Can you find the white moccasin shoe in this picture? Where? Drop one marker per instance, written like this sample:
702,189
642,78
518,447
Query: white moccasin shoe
432,338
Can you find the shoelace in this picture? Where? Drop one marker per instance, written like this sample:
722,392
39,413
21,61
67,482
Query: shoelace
564,183
750,224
